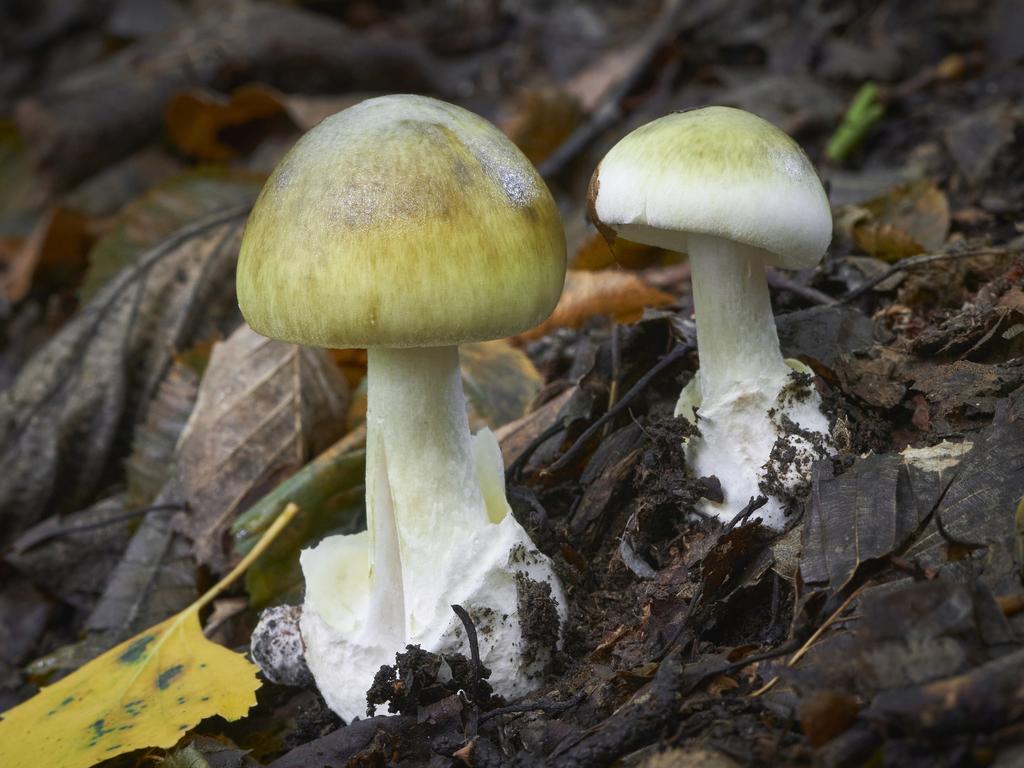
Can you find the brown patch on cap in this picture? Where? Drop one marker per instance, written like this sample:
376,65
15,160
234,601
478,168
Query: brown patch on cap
593,189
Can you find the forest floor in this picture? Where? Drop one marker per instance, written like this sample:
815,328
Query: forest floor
884,626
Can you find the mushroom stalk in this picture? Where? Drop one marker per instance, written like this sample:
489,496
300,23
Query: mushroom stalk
421,484
736,336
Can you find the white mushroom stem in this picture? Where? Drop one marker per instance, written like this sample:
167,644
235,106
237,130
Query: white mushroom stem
421,484
736,337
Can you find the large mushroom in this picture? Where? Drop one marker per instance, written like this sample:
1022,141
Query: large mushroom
734,193
408,226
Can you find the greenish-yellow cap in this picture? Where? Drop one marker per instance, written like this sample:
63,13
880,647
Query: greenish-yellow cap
715,171
402,221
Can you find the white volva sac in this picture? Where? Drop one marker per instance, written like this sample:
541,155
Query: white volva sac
439,533
734,193
408,226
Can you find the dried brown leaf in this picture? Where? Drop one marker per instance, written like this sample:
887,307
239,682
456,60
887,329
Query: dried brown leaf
68,414
56,249
540,120
264,408
908,220
610,292
214,127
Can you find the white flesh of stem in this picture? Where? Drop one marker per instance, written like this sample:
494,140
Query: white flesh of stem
421,486
736,338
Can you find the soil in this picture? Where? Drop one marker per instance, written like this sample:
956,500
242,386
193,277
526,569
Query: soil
884,626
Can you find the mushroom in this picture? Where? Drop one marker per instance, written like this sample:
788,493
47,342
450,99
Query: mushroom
408,226
735,193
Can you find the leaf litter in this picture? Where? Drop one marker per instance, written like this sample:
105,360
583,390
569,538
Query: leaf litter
883,627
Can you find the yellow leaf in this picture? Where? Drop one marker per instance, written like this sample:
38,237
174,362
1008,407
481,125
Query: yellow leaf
145,692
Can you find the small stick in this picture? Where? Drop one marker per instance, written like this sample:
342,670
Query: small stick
474,647
917,261
610,109
541,706
810,641
577,447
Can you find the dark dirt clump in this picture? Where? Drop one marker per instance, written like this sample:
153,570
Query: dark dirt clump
538,618
415,680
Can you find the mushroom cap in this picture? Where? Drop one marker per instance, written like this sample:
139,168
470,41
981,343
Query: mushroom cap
402,221
716,171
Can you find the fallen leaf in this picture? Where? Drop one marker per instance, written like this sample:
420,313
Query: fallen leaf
621,295
155,578
145,692
72,407
156,215
151,463
211,126
596,253
826,714
329,491
977,539
55,250
910,219
208,752
540,120
978,138
872,509
264,408
500,382
74,555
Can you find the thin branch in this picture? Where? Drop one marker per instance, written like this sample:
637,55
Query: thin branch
577,447
610,110
917,261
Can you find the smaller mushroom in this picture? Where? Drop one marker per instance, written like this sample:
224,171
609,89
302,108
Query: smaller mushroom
735,193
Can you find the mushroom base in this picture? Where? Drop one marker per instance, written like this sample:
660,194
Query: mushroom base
345,646
439,532
757,443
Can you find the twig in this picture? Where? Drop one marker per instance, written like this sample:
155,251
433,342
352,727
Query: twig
520,461
810,641
752,506
21,546
540,706
610,110
577,447
784,282
474,647
917,261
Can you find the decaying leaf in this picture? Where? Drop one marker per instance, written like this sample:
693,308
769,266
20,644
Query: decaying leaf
540,120
57,247
151,465
72,406
165,208
622,295
210,126
74,555
264,408
208,752
154,579
972,535
596,253
145,692
872,509
908,220
499,380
